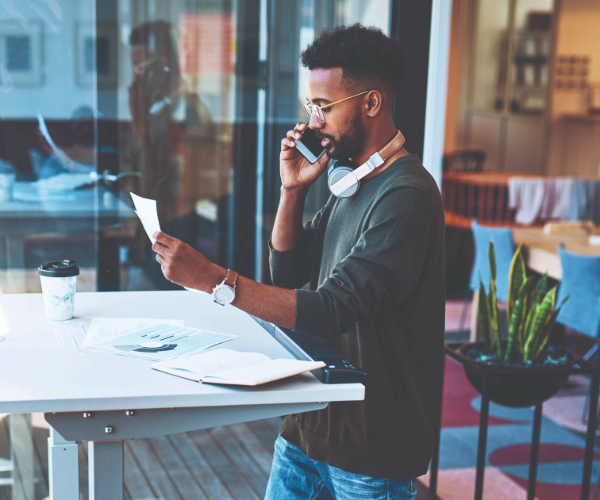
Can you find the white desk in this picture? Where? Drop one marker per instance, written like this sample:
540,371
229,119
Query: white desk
123,397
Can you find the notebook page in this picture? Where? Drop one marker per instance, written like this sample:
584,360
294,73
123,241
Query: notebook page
261,373
212,362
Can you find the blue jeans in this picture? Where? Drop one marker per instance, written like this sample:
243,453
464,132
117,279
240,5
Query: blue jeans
294,476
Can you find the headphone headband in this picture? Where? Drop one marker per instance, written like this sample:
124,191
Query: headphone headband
375,161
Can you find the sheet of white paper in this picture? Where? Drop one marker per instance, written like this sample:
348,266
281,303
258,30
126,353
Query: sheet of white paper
102,329
161,342
72,165
146,211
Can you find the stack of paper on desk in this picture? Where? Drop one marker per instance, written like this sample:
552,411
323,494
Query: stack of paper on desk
161,342
224,366
102,329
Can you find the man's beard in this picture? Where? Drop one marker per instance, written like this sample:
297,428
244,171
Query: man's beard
350,142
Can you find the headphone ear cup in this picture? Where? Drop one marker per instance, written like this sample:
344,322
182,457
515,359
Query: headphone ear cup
338,171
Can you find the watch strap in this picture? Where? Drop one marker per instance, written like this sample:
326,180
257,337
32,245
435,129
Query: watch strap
231,278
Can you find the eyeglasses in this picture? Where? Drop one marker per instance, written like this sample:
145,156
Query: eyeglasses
316,110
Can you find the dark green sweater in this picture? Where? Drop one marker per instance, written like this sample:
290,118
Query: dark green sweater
378,295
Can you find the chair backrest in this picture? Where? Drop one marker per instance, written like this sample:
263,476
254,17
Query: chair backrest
581,281
505,249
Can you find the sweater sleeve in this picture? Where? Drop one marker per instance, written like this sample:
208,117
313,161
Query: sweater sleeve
291,268
381,270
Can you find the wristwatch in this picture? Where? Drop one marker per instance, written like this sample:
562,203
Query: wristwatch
224,292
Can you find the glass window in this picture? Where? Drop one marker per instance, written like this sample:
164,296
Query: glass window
50,204
175,116
162,99
285,94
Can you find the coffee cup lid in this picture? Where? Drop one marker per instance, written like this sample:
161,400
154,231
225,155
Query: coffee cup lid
59,269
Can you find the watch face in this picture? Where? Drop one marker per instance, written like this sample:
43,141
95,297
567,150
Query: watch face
224,294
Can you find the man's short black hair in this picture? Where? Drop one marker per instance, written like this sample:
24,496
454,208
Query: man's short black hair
369,59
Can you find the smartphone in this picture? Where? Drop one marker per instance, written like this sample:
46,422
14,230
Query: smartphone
310,145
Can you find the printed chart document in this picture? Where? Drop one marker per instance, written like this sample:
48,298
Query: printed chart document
161,342
146,211
102,329
225,366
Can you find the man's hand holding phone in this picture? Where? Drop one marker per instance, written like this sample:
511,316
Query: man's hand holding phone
295,169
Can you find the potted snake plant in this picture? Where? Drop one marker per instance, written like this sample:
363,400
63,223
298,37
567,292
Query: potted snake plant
523,366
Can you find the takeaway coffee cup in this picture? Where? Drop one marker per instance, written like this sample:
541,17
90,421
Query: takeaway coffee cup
59,282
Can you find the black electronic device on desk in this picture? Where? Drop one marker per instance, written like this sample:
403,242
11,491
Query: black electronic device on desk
339,369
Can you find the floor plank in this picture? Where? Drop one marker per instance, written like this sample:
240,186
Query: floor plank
40,446
274,423
136,481
223,466
252,444
18,427
245,464
155,473
265,433
202,471
5,462
171,461
225,463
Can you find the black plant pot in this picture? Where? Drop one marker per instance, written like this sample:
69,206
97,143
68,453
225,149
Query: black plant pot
517,387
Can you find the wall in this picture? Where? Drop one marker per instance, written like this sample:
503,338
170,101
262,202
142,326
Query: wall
59,94
454,83
578,34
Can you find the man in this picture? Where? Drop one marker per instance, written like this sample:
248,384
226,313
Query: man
378,292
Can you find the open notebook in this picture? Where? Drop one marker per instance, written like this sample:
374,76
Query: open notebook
225,366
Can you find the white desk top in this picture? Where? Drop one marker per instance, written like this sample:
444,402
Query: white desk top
38,374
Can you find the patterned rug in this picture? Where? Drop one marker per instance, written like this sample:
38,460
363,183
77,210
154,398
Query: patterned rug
561,452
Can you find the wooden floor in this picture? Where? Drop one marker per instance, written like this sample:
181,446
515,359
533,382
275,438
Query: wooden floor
225,463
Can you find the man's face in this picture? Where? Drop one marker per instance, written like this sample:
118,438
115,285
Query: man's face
343,132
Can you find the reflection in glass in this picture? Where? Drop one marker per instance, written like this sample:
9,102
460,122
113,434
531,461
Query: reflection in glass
176,126
49,200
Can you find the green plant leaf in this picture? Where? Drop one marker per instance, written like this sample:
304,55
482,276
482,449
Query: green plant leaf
548,328
545,335
542,316
515,280
540,289
495,329
492,258
484,316
515,322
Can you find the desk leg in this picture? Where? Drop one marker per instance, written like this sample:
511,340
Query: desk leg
105,460
63,467
482,444
590,438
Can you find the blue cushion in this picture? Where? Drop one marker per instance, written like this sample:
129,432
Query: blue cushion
581,281
505,249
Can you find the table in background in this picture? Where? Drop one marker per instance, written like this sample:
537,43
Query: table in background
105,399
479,195
541,256
76,213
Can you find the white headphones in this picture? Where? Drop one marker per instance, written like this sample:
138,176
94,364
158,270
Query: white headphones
344,177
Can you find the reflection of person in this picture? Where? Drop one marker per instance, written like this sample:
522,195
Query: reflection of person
164,115
380,293
153,97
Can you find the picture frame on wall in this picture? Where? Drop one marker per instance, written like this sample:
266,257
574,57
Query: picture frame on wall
21,54
97,54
